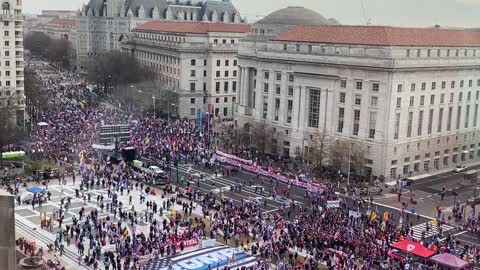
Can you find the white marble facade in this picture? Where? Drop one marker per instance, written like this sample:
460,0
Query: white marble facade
414,109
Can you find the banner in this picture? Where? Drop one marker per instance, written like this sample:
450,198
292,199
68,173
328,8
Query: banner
188,243
333,204
249,166
103,147
218,257
199,118
354,214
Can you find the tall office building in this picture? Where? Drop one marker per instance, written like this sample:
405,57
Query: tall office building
11,64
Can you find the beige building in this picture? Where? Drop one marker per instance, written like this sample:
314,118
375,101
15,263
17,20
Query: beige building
195,60
408,96
59,28
102,23
11,68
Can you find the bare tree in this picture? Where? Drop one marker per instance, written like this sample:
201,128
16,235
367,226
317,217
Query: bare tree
11,131
317,149
358,158
115,68
262,137
339,152
342,152
36,97
58,51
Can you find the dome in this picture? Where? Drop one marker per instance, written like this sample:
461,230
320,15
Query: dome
294,16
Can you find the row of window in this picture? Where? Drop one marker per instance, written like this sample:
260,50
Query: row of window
411,103
9,83
193,62
441,113
400,87
6,33
278,89
313,120
278,76
309,48
9,93
433,85
276,114
226,87
216,111
408,168
17,63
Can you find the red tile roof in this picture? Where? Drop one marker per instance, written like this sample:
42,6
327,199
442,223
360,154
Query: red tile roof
192,27
382,36
63,21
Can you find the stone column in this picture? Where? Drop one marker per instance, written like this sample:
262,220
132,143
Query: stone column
240,86
247,87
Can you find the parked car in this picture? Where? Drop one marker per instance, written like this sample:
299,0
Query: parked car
460,168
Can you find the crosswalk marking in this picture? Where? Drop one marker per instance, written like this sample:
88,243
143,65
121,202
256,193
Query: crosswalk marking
418,229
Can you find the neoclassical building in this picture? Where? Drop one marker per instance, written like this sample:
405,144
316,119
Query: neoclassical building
195,61
102,23
409,96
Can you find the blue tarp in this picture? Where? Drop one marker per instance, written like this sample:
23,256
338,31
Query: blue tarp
36,190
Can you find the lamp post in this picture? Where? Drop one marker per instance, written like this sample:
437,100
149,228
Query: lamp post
170,110
303,153
154,102
154,109
349,164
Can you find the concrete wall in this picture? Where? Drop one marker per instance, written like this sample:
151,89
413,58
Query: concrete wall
7,227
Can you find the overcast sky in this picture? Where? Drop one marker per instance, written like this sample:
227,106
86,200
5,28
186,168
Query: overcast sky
455,13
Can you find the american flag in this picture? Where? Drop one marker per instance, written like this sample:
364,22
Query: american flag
163,264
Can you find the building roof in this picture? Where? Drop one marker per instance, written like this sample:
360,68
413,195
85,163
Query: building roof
207,7
192,27
381,36
63,21
220,7
294,16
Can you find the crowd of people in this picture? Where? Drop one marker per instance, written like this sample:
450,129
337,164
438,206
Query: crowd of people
295,237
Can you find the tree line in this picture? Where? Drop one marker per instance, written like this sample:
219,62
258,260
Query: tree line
114,68
320,153
57,51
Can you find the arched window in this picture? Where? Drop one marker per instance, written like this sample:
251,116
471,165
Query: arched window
6,8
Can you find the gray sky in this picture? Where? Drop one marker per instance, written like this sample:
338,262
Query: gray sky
458,13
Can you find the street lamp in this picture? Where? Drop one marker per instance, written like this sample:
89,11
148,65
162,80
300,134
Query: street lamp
154,107
170,110
303,153
349,161
154,103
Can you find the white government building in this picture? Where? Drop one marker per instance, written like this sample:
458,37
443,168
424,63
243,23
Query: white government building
12,95
197,61
409,96
102,23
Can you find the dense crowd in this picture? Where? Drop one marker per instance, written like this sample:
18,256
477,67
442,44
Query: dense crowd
338,237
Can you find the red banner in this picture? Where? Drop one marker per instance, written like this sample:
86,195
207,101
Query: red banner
188,243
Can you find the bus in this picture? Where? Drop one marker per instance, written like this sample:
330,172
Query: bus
13,155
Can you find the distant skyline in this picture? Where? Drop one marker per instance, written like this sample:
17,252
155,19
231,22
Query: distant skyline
412,13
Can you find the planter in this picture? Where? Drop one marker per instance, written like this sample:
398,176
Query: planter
31,263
